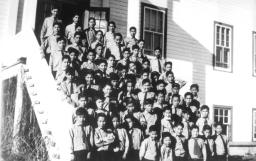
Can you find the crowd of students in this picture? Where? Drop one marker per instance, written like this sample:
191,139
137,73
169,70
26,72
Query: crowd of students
126,106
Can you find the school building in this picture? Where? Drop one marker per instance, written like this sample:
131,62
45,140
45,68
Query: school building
210,42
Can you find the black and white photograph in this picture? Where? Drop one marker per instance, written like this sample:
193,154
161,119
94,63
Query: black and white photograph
128,80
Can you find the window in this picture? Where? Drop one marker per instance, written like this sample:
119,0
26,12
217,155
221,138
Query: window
153,25
101,16
254,124
254,52
224,115
223,47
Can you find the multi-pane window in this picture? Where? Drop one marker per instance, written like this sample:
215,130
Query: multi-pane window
101,20
153,28
223,47
254,53
223,115
254,125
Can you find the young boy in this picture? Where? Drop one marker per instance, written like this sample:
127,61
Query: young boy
134,56
135,136
167,67
166,122
130,41
180,144
196,146
149,115
71,29
166,151
90,32
77,45
185,120
56,56
122,146
157,62
221,143
175,101
60,74
100,74
150,147
203,120
81,137
177,117
145,93
209,142
99,39
170,81
74,62
103,139
116,48
89,64
125,60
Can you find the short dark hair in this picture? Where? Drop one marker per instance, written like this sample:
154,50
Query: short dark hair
91,18
168,62
129,116
167,108
194,86
149,101
218,124
111,56
166,134
135,47
126,49
187,94
56,23
66,57
113,76
146,60
112,22
78,33
99,31
61,39
176,85
73,50
101,115
159,92
203,107
99,44
91,51
81,95
100,61
81,112
70,71
54,6
176,95
207,127
158,48
160,81
141,40
145,81
194,127
118,34
152,128
168,73
179,124
133,28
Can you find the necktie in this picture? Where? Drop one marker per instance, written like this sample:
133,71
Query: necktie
197,150
208,149
224,144
159,66
205,122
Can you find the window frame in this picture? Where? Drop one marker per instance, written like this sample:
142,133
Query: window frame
223,107
142,24
230,63
253,120
254,53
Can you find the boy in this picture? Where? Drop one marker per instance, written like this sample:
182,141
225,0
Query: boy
47,27
194,89
103,138
71,29
125,60
150,147
175,101
99,39
116,48
157,62
203,120
167,149
177,117
76,45
144,75
130,41
56,56
196,146
89,64
185,120
209,142
166,122
81,137
131,111
100,74
145,93
167,67
149,115
221,143
180,143
134,56
90,32
74,62
170,81
60,74
135,136
141,50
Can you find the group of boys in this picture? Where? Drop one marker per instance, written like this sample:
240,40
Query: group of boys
127,105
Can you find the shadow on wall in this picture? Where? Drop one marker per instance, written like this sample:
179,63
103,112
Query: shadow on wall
182,46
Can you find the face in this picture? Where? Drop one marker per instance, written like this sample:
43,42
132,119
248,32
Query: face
178,130
218,129
80,119
193,109
65,63
160,87
132,66
118,39
129,86
103,67
160,98
76,18
188,99
129,123
82,102
90,56
207,133
114,83
168,67
88,79
133,32
61,44
115,122
101,122
99,36
111,61
167,114
141,45
186,116
77,39
111,27
167,141
175,90
146,87
149,108
107,90
145,76
194,133
99,104
157,53
56,29
126,54
130,107
92,23
72,56
135,52
78,29
55,12
179,112
204,113
68,76
194,91
170,78
145,65
153,135
175,101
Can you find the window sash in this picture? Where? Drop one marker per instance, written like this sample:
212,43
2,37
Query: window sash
254,53
147,29
254,125
223,47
